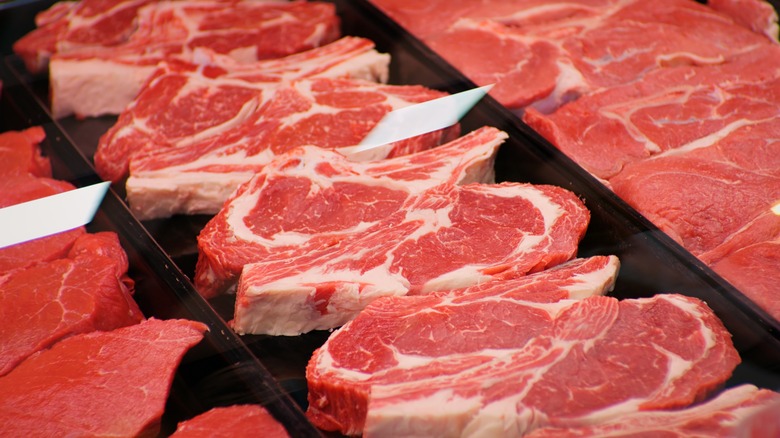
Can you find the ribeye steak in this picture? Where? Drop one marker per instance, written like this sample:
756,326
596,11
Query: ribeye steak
312,197
442,237
728,414
186,102
324,112
502,365
97,80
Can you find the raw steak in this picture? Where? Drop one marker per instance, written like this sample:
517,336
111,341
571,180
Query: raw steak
702,196
22,188
94,81
445,237
762,424
237,421
525,363
20,153
84,292
312,197
544,54
524,69
682,107
693,149
749,259
575,279
187,102
722,416
757,15
70,25
112,383
324,112
417,16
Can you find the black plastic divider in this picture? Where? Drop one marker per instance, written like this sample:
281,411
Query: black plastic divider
220,370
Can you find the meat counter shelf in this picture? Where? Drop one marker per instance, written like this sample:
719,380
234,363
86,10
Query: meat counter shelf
220,370
650,261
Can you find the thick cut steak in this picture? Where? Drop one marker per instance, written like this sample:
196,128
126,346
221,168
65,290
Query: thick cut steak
725,415
324,112
701,197
575,279
418,17
84,292
518,363
237,421
72,25
186,102
695,150
671,108
113,383
749,259
312,197
92,81
20,153
445,237
23,188
718,201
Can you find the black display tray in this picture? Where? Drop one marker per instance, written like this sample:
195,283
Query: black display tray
271,369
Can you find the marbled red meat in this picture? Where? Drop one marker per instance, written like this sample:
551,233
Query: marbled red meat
185,102
723,416
445,237
71,25
526,363
312,197
671,108
433,235
94,80
328,113
553,52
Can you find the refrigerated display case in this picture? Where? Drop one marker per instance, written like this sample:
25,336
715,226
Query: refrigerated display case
269,370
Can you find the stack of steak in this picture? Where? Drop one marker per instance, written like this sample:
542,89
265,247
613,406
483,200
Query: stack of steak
71,326
315,237
99,59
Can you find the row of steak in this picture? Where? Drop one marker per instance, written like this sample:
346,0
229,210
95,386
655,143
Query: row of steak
672,104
